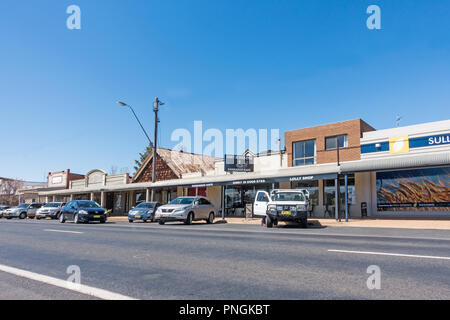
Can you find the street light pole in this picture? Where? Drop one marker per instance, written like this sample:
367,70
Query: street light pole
123,104
156,106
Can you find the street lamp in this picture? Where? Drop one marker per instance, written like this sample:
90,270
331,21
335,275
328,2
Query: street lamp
123,104
156,106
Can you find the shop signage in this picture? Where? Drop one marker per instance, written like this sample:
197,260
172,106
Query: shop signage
266,180
404,144
235,163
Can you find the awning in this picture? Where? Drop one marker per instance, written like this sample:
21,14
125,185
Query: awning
397,162
306,173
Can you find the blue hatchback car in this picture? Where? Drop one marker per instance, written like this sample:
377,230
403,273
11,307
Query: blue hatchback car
145,211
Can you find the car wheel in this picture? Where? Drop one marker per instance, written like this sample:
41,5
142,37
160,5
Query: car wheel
22,216
103,221
269,222
61,218
210,218
75,219
275,222
188,219
161,222
130,221
144,220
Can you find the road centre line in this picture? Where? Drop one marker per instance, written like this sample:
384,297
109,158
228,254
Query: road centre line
63,231
391,254
80,288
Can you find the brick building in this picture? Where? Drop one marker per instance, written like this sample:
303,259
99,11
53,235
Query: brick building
320,141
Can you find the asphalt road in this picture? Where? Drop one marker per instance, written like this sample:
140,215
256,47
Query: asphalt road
224,261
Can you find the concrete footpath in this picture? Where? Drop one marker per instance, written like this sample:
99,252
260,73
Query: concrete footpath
369,223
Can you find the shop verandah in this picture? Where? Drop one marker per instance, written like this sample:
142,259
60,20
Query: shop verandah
234,193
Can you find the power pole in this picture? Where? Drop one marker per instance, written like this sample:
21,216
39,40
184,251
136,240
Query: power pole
155,144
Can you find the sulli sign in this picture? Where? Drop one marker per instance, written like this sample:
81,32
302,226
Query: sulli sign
438,140
404,144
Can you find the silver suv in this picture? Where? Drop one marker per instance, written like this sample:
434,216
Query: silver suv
187,209
50,210
23,211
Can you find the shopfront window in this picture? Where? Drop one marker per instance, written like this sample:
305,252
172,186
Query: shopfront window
238,197
304,153
233,197
312,187
329,191
414,190
140,197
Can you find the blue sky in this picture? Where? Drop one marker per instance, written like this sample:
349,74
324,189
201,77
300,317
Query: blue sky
232,64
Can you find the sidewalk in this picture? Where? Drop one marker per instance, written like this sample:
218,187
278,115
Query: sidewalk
367,223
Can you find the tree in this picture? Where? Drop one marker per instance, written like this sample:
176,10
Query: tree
143,157
8,191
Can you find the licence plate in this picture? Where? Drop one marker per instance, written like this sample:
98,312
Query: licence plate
96,217
286,213
137,217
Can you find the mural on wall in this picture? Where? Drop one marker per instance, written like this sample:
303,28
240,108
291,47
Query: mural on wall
414,190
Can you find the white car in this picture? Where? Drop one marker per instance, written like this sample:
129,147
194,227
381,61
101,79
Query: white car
282,205
186,209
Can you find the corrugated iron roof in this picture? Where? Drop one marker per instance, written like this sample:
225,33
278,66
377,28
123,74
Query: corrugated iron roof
181,162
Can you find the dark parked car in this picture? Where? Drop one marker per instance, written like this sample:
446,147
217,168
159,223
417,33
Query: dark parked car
145,211
82,211
50,210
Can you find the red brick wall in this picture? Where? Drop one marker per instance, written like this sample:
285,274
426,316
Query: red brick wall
353,129
163,172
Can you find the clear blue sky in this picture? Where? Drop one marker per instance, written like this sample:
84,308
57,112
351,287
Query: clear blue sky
232,64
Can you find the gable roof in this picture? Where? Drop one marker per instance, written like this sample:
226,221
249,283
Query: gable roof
180,162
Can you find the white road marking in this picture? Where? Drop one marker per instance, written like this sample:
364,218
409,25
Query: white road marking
63,231
391,254
80,288
143,228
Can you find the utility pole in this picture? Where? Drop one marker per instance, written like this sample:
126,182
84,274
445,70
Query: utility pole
338,188
281,152
337,148
156,106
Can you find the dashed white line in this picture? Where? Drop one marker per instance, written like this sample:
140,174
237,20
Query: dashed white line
391,254
63,231
80,288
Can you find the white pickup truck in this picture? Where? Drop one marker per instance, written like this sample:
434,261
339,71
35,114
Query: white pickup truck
282,205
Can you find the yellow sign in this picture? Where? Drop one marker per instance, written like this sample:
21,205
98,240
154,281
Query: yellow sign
399,144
